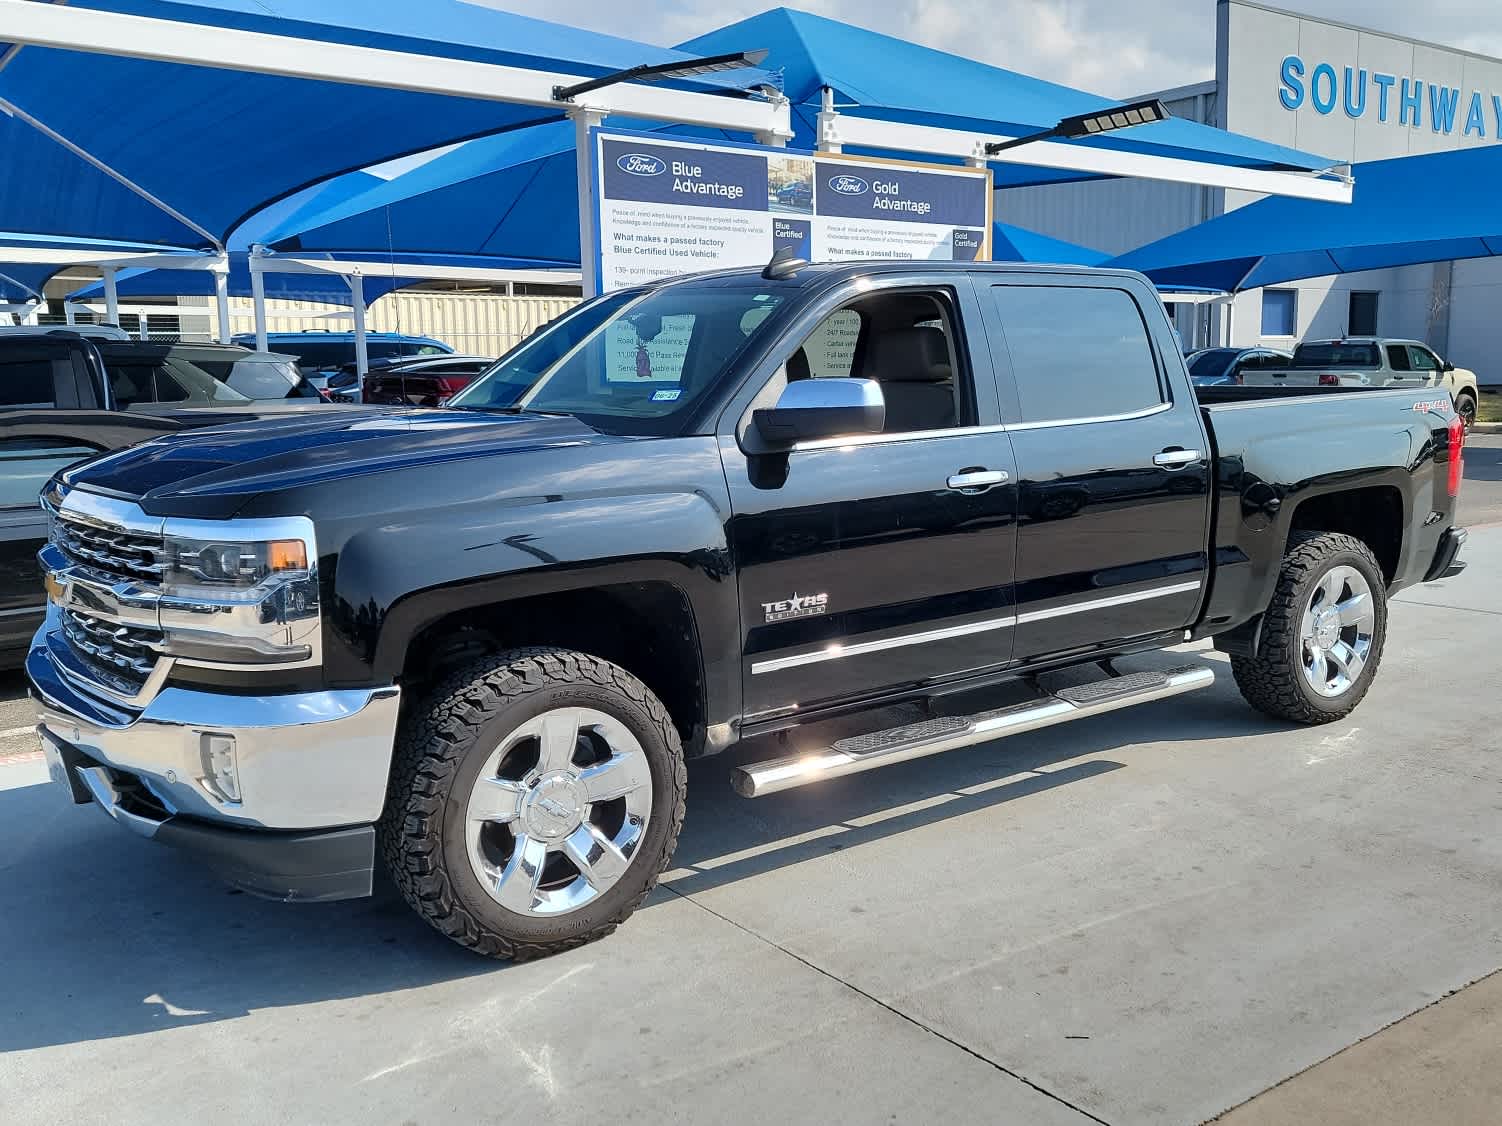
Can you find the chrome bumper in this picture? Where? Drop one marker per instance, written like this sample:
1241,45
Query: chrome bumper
310,760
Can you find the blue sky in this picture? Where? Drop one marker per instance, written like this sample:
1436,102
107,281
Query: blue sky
1113,47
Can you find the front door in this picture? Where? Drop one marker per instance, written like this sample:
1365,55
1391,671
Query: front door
1113,465
878,563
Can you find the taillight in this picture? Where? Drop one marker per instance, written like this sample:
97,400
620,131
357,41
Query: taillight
1329,379
1456,434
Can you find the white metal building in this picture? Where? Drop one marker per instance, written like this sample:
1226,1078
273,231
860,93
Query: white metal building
1344,92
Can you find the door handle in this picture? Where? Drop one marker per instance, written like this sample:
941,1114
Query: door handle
977,479
1176,459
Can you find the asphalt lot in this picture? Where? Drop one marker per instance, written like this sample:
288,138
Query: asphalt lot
1145,918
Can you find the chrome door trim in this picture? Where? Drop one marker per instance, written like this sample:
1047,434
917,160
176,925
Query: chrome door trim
1105,603
1146,412
837,651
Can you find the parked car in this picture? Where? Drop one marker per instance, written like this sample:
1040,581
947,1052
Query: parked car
423,381
796,193
93,332
142,371
489,636
1216,367
1370,361
65,398
321,354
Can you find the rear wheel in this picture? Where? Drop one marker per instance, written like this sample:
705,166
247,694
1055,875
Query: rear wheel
1465,406
1322,634
535,798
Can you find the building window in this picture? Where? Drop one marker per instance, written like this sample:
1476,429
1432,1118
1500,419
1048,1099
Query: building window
1361,320
1280,308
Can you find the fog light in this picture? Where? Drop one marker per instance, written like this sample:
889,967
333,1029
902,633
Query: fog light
221,771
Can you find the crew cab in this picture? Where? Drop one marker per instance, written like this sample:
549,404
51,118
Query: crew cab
65,397
484,640
1369,361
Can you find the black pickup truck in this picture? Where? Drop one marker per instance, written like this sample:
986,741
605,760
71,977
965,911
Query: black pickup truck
485,639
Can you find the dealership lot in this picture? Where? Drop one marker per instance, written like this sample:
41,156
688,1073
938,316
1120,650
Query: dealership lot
1144,919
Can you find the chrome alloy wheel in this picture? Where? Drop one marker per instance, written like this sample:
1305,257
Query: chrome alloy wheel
1337,631
558,811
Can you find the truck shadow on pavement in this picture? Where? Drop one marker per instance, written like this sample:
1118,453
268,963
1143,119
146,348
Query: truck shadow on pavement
107,935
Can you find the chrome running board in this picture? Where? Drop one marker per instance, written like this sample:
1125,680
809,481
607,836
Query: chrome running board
935,736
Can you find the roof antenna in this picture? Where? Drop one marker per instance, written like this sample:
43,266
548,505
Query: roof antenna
784,264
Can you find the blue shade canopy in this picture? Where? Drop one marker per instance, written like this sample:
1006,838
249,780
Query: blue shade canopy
513,195
878,76
22,281
1018,244
1386,224
217,145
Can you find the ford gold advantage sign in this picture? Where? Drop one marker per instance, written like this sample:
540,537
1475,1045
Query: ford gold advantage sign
671,207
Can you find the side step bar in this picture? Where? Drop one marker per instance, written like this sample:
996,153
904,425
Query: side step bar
934,736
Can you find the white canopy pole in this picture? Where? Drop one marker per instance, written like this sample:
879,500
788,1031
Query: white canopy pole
827,125
111,296
362,354
221,301
70,315
586,118
258,298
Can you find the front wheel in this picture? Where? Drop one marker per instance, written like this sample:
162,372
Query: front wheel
535,798
1322,634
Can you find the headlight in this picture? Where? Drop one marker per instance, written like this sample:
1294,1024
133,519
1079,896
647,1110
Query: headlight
243,598
228,570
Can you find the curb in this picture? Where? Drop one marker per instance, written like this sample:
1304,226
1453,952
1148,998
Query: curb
1486,428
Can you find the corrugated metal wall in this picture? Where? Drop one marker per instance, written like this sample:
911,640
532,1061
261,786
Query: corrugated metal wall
483,324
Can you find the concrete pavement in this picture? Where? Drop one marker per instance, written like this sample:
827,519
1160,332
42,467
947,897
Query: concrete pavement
1144,918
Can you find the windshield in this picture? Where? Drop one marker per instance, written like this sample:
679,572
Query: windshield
1211,362
628,363
1336,355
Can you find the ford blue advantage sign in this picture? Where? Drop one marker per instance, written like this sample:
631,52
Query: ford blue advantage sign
668,207
697,176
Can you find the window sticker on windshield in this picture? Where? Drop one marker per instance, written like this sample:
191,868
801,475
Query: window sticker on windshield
666,396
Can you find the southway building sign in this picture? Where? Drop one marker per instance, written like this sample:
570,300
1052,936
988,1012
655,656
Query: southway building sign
1402,100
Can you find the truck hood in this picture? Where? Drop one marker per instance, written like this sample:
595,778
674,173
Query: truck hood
234,463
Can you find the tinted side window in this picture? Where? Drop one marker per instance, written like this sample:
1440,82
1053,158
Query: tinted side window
1422,358
1077,352
28,383
1397,358
830,348
132,383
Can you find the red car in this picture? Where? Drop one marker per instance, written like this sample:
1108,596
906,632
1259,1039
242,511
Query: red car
416,381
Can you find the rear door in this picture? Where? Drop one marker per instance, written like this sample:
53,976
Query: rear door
881,562
1113,465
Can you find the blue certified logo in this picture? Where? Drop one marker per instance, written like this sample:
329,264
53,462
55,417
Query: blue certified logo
641,164
849,185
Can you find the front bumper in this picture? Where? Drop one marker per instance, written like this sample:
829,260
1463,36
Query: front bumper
310,769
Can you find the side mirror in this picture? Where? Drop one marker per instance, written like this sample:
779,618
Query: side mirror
1446,365
823,408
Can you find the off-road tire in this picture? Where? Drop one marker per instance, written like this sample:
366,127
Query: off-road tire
442,743
1273,680
1465,406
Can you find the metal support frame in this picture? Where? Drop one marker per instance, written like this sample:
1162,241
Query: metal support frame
836,131
224,48
586,118
111,296
221,302
357,306
258,298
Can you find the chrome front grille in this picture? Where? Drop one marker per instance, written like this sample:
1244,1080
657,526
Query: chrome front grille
114,552
121,656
